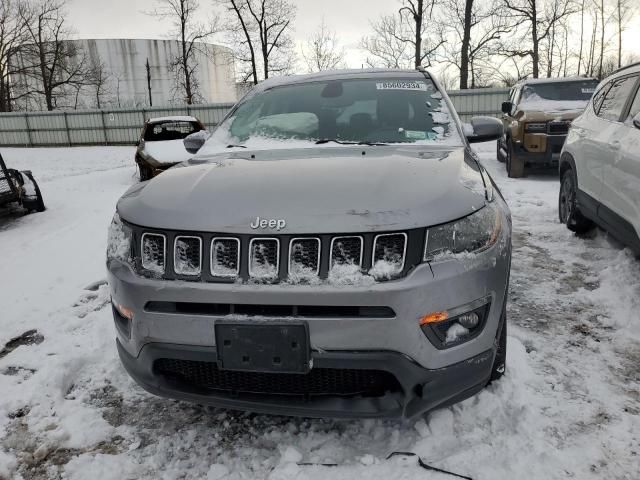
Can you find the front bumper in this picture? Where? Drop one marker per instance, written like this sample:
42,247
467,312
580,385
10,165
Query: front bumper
540,149
428,376
421,389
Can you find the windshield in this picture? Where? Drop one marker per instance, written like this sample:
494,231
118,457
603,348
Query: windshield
340,111
171,130
559,91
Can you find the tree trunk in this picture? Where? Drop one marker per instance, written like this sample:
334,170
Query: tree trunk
247,36
601,38
185,60
581,36
464,52
619,7
148,67
552,42
535,55
418,17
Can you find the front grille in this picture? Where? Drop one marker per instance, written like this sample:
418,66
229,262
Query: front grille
225,257
346,251
558,128
153,252
319,381
264,258
304,256
187,259
210,257
389,252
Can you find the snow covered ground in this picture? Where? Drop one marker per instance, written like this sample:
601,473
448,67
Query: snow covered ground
568,407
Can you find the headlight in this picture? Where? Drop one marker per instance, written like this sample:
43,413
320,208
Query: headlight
119,240
535,127
474,233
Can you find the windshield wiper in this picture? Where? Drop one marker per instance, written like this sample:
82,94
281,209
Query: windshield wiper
236,146
345,142
334,140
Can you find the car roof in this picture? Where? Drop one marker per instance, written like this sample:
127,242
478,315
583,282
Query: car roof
538,81
339,75
176,118
626,70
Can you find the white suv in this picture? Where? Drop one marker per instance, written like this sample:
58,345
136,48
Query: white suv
600,161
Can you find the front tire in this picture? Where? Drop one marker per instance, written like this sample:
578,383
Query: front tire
568,211
146,172
499,154
515,164
500,362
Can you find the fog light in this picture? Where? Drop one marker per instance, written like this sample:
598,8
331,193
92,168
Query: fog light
469,320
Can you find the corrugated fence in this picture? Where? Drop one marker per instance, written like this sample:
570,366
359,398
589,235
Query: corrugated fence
122,126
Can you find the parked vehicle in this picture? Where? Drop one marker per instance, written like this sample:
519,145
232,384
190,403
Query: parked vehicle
334,249
537,117
161,144
19,187
600,163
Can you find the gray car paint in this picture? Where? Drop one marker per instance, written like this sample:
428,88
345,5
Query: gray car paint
333,190
316,190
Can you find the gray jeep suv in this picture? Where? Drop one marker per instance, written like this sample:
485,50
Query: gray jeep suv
333,249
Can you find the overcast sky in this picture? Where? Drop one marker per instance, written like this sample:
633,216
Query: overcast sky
348,18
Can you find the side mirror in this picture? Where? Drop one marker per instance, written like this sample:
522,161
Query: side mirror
195,141
636,121
507,107
485,129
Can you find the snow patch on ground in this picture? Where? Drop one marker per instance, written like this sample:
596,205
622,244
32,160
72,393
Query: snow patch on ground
567,406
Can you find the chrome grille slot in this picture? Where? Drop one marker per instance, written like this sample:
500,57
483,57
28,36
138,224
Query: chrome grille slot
304,256
346,251
225,257
153,252
264,258
187,255
388,255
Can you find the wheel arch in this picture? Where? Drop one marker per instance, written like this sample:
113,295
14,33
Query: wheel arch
567,162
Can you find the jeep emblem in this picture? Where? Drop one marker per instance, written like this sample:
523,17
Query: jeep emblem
278,223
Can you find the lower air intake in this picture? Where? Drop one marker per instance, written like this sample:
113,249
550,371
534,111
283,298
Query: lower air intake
319,381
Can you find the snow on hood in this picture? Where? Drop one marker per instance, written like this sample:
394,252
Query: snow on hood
536,102
167,151
314,190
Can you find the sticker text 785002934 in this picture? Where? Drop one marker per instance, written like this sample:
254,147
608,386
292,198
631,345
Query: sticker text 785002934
401,85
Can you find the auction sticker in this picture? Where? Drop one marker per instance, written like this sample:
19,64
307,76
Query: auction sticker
401,85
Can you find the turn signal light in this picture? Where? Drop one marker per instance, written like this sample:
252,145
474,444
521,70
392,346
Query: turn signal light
125,312
434,317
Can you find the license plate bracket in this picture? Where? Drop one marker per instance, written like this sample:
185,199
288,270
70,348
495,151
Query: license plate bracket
274,347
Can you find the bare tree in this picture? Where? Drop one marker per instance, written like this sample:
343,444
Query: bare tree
581,35
259,32
99,77
322,50
624,12
53,64
189,33
13,33
408,39
536,21
148,70
476,28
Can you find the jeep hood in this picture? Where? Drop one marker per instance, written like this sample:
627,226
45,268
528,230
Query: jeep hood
315,190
